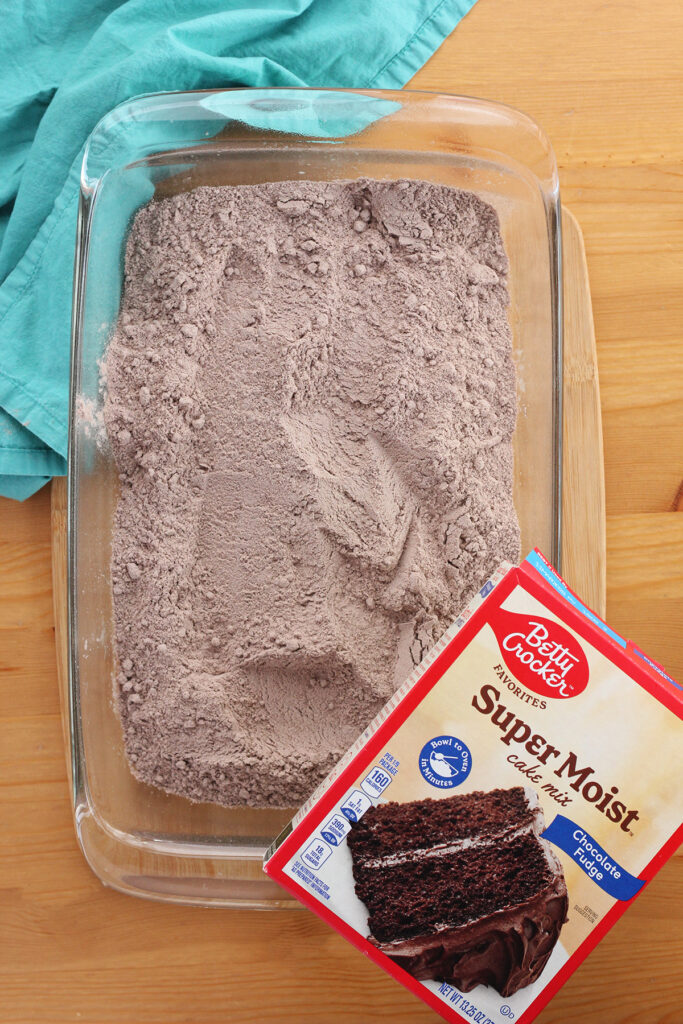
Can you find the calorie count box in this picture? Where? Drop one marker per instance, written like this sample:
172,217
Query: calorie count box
375,782
559,672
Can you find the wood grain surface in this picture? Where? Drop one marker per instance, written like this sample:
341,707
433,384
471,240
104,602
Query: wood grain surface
604,80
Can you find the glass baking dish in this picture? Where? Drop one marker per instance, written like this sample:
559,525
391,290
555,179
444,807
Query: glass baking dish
136,838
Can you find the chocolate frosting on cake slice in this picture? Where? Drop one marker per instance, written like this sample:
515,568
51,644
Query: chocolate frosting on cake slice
463,889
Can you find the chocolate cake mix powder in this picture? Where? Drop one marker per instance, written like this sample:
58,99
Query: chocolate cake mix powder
310,399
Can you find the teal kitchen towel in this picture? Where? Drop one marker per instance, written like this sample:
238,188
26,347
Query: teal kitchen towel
62,67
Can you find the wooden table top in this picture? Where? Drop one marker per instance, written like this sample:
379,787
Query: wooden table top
604,81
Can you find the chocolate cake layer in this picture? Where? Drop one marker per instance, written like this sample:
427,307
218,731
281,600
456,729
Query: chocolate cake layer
481,905
450,886
393,825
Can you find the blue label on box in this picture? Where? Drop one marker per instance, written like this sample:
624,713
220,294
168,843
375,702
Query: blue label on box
592,858
445,762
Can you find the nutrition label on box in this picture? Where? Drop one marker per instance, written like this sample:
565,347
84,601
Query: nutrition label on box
336,829
356,805
375,782
316,853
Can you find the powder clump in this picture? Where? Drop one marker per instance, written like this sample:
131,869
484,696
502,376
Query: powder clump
310,398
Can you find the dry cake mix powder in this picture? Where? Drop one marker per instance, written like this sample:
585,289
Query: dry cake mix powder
310,398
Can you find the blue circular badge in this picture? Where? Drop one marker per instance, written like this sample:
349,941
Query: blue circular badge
445,762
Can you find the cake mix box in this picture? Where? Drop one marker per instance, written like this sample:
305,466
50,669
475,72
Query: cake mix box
505,807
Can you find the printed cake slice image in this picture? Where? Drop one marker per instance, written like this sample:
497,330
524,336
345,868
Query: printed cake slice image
463,889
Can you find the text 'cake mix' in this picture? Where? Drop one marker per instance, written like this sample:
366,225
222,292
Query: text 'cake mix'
503,809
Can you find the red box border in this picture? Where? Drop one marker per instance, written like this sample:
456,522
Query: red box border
530,580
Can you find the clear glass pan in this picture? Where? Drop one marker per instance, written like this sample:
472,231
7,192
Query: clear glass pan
135,837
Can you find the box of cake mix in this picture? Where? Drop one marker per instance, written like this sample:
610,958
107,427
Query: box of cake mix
505,807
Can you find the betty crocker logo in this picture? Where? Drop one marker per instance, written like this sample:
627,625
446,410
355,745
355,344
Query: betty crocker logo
544,656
